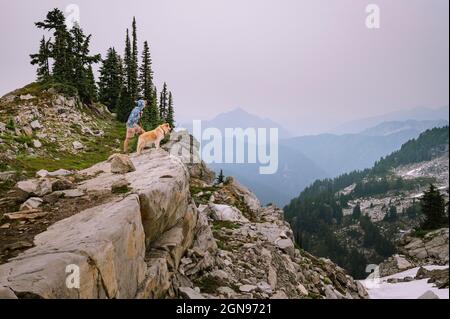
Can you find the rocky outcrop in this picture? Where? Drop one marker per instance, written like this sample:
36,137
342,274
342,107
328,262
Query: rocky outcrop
250,253
439,277
126,248
395,264
164,230
106,243
432,248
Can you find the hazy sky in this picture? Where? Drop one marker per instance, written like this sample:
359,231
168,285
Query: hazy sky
308,64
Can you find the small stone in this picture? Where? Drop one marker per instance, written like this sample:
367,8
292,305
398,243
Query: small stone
62,184
38,187
121,164
26,97
69,193
31,203
189,293
25,215
2,127
302,290
226,291
35,125
186,261
247,288
77,145
264,287
42,173
28,131
60,172
223,275
279,295
37,144
5,226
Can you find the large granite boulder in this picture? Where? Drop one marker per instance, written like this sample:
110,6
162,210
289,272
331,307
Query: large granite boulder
106,244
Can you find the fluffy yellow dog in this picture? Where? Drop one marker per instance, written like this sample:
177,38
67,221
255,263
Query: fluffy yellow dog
154,136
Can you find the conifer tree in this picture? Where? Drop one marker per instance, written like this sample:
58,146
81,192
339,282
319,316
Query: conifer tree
154,111
163,103
220,178
146,74
110,80
433,207
170,112
60,49
42,60
134,86
150,118
83,76
127,58
356,214
124,106
91,87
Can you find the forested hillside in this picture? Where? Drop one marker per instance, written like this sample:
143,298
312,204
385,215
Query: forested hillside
323,209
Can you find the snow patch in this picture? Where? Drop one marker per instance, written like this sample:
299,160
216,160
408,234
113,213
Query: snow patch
403,290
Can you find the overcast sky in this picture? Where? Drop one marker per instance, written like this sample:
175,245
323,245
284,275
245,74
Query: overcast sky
308,64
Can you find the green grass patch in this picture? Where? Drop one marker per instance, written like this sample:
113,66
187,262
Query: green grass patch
120,190
219,224
37,88
420,233
10,125
327,281
22,139
195,190
97,149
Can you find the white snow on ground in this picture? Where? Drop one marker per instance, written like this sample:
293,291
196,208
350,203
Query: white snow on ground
381,289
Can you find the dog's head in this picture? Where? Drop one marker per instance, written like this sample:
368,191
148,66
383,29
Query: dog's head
166,128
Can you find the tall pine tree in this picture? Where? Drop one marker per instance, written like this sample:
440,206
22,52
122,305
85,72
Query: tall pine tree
83,76
42,60
170,112
150,118
124,106
134,86
127,61
146,74
163,103
110,80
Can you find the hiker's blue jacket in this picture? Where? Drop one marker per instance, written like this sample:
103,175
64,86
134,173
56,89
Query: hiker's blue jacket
135,114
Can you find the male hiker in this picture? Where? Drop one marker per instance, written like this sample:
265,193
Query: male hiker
133,127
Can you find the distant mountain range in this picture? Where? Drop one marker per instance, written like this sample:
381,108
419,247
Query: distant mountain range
337,154
388,128
307,158
418,114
